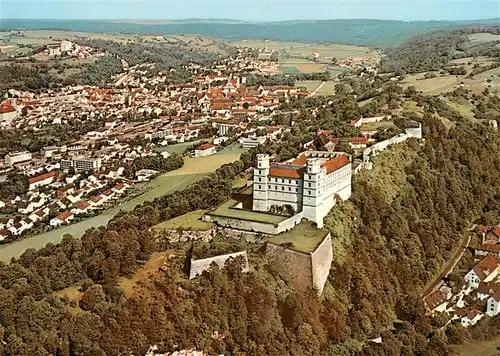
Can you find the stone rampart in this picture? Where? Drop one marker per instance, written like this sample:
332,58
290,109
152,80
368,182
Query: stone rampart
198,266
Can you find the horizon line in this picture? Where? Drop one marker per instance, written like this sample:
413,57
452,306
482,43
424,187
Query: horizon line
237,20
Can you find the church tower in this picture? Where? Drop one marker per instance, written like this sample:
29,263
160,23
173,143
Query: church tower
261,184
311,192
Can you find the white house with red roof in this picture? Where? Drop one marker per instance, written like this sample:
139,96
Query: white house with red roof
43,179
484,271
81,208
119,188
311,184
7,112
4,233
63,218
206,149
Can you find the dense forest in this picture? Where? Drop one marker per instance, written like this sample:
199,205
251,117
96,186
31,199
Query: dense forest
403,225
434,50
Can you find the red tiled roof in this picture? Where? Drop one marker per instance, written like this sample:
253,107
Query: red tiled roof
119,186
285,172
205,146
6,108
353,140
97,199
82,205
486,266
65,215
300,160
336,163
43,176
435,299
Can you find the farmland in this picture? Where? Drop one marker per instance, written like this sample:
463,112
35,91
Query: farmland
296,57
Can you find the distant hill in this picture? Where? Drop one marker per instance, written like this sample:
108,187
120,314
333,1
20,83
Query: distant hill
432,51
375,33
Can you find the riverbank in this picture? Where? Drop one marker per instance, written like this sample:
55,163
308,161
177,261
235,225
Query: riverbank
194,170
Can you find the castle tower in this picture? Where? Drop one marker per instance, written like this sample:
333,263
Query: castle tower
311,192
261,184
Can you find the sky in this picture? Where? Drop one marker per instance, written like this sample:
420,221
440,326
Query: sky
252,10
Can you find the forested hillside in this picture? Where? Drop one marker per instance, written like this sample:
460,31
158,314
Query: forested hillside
401,223
432,51
379,33
33,75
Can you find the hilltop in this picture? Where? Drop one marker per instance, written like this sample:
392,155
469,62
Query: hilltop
376,33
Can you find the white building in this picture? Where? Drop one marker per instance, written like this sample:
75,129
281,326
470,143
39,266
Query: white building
207,149
42,180
310,184
252,142
81,163
485,271
17,157
493,304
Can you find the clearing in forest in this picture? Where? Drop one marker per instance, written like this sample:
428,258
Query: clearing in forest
132,286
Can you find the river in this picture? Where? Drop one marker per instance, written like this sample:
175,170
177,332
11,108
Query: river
194,169
162,185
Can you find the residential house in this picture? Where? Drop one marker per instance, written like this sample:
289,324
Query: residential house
81,208
43,179
63,218
493,304
437,301
468,317
206,149
4,233
484,271
119,188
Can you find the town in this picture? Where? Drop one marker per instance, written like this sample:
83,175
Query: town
169,193
140,115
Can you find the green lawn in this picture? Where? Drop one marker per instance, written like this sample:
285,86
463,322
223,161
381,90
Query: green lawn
226,211
235,148
372,126
190,221
304,237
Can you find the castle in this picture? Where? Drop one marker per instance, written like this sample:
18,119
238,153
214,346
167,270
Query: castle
310,184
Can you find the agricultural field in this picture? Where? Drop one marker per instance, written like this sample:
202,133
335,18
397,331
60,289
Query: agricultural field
479,348
483,37
292,65
203,165
310,85
448,83
190,222
297,57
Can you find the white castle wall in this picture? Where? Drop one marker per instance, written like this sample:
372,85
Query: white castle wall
415,132
198,266
321,261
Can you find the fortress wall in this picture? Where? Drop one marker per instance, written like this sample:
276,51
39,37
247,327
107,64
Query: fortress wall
293,266
321,261
198,266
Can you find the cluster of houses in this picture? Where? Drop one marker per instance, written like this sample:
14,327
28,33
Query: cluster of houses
479,296
54,198
68,49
